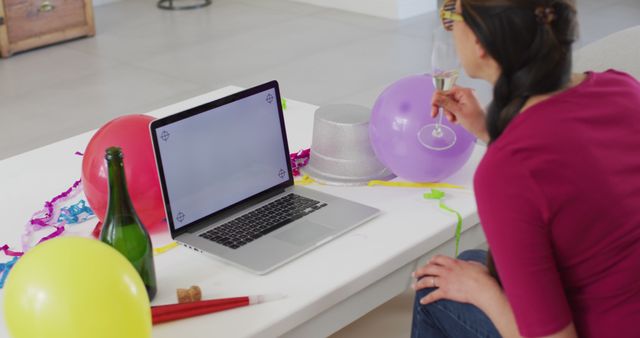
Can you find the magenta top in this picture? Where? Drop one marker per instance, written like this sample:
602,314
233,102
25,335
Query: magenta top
559,199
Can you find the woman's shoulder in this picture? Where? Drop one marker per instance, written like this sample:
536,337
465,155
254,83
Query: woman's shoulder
584,86
608,91
612,76
559,129
616,73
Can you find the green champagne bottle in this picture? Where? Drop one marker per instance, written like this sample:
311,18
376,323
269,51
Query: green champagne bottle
122,228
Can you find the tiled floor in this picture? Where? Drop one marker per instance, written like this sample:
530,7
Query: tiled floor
143,58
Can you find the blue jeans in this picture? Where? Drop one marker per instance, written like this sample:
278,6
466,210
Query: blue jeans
445,318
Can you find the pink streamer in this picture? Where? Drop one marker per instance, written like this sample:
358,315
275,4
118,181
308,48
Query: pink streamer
48,215
9,252
299,160
45,218
49,207
58,232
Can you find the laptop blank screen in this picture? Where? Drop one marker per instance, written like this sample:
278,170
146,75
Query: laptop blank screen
222,156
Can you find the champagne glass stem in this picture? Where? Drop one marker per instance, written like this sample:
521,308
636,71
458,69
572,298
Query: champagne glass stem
437,130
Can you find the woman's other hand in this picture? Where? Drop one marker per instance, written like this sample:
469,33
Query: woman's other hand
461,106
455,279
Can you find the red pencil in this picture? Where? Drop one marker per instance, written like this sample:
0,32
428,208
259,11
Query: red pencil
166,313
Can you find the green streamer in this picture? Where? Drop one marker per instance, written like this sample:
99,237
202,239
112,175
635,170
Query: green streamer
284,103
436,194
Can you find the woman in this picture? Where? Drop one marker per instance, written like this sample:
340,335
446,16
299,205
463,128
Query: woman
558,189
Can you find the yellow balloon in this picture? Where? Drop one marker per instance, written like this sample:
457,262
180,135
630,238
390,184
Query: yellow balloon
72,287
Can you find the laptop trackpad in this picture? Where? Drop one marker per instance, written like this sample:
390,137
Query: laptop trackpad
304,233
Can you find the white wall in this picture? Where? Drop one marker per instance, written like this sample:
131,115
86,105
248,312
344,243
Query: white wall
390,9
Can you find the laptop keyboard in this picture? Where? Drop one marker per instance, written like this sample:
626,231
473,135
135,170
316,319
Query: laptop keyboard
259,222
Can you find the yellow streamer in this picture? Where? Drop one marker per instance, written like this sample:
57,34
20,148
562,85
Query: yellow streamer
305,180
164,248
415,184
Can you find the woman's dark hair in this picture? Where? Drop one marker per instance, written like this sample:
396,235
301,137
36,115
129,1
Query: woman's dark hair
531,42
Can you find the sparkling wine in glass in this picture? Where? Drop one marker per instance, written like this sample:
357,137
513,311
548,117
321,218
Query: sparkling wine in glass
444,81
444,63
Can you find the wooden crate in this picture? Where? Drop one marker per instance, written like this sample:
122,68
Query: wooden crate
26,24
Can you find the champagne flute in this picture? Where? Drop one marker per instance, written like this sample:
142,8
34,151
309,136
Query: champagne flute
444,64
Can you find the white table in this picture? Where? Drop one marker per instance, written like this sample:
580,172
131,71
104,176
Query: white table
326,289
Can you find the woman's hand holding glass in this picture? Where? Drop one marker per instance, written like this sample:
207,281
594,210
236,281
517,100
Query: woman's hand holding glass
444,67
461,106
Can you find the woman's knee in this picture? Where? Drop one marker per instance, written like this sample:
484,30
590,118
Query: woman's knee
422,293
474,255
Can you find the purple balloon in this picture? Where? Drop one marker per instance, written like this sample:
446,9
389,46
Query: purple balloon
399,113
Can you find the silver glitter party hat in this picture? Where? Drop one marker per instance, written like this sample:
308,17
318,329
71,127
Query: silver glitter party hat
341,153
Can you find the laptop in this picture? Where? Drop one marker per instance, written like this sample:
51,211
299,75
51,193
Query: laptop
228,187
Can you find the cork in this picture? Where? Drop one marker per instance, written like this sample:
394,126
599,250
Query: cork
192,294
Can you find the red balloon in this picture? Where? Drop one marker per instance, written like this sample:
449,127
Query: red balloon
131,133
